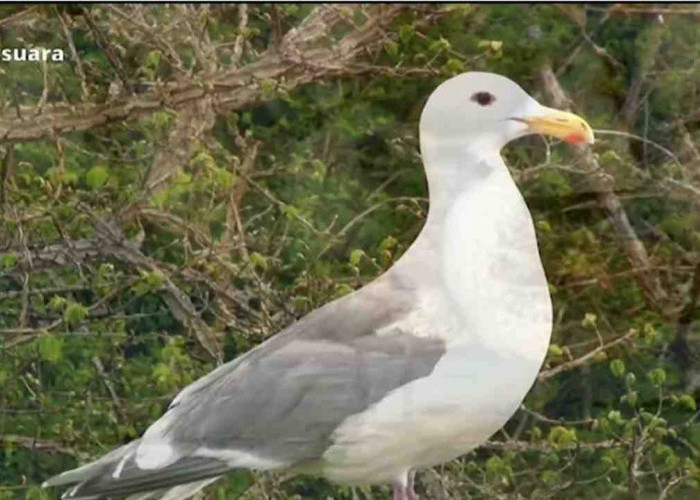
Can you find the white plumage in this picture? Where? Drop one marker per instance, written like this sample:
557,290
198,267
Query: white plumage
411,371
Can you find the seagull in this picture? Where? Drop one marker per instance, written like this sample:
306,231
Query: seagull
411,371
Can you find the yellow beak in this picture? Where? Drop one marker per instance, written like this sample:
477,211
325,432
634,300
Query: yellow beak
560,124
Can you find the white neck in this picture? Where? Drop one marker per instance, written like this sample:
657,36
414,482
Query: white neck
479,244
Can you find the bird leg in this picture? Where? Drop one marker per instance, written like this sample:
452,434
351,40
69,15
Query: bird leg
400,493
405,492
410,494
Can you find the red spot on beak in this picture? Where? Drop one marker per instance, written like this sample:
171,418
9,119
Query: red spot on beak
574,139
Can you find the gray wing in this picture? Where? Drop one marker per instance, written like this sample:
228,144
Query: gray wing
278,405
282,401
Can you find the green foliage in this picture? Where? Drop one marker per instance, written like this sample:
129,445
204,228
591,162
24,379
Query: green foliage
258,260
74,313
561,437
617,367
96,177
150,282
50,348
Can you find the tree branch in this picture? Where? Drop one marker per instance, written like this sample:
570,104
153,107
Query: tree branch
30,443
545,374
544,447
603,186
108,49
299,61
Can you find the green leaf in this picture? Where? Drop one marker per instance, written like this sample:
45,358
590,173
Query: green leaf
154,280
258,260
610,156
75,313
589,320
96,177
688,401
356,256
153,58
343,289
657,376
561,437
150,282
8,261
57,303
388,243
549,478
600,356
406,32
544,226
291,211
454,66
496,466
617,367
492,45
555,350
615,417
50,348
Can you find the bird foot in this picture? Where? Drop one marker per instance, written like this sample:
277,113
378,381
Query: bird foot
401,493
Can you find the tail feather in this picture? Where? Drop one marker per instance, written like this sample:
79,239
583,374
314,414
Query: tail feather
117,474
186,490
93,468
178,492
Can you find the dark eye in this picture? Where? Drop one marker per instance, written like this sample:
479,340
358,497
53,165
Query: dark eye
483,98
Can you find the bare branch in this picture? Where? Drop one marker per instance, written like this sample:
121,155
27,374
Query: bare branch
545,374
5,165
544,447
673,483
75,57
192,122
110,387
108,49
621,8
647,57
240,38
31,443
24,16
299,62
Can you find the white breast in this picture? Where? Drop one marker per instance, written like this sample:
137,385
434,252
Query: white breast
491,305
492,269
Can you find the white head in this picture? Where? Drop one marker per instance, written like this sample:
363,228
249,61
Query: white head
486,111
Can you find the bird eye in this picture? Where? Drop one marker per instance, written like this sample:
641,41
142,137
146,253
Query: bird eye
483,98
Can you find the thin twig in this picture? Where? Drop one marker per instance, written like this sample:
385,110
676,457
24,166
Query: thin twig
546,374
74,55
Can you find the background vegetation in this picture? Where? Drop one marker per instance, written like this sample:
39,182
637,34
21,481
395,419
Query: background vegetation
193,178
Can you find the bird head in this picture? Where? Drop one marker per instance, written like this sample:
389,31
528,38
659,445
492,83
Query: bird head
491,110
